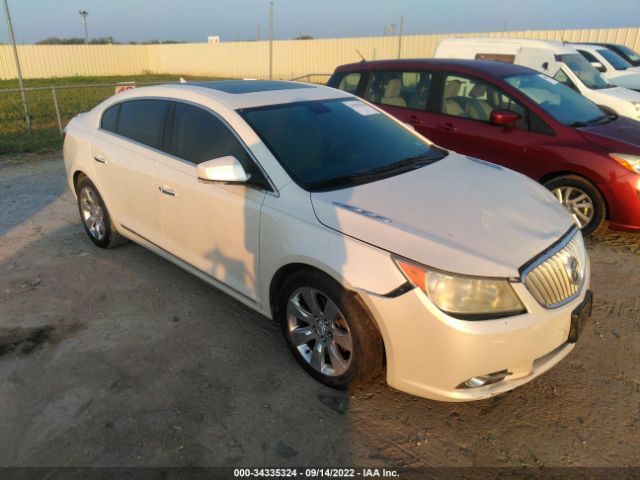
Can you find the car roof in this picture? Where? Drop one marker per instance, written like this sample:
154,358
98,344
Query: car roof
592,46
238,94
559,47
603,44
496,69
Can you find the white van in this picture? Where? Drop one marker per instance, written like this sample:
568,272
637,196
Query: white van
556,59
612,66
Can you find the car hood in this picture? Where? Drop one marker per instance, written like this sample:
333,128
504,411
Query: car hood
459,214
620,93
620,136
628,79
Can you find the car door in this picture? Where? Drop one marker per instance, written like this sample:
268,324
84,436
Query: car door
125,149
405,94
464,126
212,226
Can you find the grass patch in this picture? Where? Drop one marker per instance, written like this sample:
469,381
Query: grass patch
14,137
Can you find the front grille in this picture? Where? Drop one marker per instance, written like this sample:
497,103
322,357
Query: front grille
558,277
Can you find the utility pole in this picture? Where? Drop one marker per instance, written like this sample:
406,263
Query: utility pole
18,69
84,14
400,35
504,25
258,30
271,40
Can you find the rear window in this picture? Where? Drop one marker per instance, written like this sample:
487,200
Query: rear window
110,118
408,89
143,121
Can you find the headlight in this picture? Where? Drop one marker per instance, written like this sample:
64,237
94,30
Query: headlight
630,162
469,298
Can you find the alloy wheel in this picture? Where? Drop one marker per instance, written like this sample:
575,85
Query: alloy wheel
577,202
92,213
319,331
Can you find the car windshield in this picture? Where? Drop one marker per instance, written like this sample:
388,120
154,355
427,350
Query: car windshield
629,53
614,59
328,144
561,102
585,71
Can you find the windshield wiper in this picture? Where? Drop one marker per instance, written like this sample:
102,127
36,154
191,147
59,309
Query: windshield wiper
604,119
401,166
579,124
414,162
595,121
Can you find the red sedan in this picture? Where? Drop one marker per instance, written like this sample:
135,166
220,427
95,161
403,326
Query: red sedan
514,116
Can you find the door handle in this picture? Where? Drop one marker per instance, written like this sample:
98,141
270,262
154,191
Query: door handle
100,159
167,191
414,120
446,127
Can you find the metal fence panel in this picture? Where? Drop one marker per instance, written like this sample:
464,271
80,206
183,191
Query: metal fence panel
292,58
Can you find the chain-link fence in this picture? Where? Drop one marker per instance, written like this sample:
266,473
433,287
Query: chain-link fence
51,107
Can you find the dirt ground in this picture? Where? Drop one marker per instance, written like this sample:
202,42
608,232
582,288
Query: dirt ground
120,358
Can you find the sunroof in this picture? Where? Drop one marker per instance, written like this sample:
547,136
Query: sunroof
249,86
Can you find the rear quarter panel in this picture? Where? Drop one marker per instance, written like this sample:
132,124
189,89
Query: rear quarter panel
77,149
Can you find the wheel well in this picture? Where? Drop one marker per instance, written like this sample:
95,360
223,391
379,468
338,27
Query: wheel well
281,275
77,176
287,270
550,176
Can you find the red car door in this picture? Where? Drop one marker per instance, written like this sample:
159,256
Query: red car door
463,123
403,94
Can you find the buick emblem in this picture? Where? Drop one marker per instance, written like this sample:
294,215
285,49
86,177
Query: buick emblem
573,270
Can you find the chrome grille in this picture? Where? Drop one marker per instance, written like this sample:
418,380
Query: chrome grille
559,277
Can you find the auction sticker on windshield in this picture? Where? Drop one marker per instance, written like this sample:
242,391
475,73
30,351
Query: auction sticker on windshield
361,108
548,78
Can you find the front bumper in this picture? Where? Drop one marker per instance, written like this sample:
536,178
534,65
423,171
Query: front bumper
430,354
623,200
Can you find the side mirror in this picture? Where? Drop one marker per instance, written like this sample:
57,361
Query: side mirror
224,169
599,66
503,117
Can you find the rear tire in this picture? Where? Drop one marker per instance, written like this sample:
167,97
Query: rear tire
582,199
95,217
329,332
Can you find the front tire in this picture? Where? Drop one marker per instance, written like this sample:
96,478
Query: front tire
329,332
582,199
95,217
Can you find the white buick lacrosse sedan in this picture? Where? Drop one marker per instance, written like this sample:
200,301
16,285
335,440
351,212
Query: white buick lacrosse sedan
373,248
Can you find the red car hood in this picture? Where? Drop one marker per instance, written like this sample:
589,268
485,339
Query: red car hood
620,136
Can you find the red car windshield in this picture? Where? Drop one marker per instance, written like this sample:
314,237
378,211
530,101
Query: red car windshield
561,102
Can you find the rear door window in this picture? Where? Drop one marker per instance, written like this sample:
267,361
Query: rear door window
110,118
197,136
143,121
407,89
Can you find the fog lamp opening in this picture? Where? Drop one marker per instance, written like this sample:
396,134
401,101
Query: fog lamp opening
484,380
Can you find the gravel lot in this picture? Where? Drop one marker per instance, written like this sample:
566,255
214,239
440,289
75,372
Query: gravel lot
120,358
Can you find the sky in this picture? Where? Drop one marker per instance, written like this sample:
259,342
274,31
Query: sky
194,20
